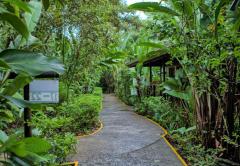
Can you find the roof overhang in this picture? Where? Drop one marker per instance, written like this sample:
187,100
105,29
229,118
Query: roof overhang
154,61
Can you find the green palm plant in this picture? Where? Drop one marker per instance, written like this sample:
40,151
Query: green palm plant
178,87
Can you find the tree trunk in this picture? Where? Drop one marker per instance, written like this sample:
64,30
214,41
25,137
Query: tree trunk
230,98
207,110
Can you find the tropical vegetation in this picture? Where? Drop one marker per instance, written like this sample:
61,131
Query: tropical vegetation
90,44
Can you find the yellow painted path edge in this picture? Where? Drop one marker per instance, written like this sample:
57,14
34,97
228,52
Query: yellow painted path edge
165,139
86,135
93,133
75,163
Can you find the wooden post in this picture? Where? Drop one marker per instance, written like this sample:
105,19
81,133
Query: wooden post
164,72
160,73
171,71
27,114
150,74
150,80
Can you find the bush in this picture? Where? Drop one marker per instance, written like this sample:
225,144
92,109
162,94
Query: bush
171,117
161,111
97,91
61,124
190,147
62,145
54,128
84,110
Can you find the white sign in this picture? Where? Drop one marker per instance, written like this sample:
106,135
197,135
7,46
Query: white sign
44,91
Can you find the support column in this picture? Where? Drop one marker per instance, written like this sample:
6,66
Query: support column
164,72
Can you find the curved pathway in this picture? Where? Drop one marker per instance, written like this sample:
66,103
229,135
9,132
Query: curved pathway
125,140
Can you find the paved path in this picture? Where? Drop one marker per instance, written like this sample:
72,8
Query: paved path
125,140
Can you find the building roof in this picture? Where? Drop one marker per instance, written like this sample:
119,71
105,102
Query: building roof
153,61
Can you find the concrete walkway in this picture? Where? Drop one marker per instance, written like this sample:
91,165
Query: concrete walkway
125,140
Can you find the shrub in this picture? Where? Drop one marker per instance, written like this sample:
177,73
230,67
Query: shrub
170,116
50,124
97,91
62,145
54,128
61,124
84,110
161,111
190,147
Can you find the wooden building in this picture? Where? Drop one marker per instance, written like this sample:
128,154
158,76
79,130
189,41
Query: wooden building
167,67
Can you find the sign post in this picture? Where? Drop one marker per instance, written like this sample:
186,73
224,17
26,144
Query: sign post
27,114
39,91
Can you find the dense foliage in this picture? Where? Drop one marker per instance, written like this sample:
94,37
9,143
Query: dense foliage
60,125
84,112
92,43
202,39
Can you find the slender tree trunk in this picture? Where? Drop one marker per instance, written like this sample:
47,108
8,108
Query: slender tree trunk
206,111
230,98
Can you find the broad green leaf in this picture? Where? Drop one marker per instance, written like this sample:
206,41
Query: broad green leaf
178,94
13,145
6,116
172,84
33,17
46,4
18,149
4,64
16,22
3,136
185,7
36,145
6,162
3,10
38,158
19,82
22,103
19,161
29,62
33,41
19,42
191,128
152,7
20,4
